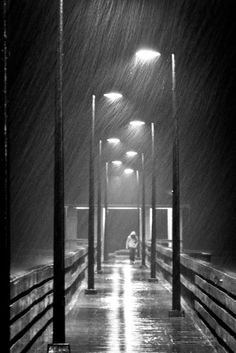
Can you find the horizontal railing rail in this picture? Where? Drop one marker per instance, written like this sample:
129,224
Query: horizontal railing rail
31,310
209,291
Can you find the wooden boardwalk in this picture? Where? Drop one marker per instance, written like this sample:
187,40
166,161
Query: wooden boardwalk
130,314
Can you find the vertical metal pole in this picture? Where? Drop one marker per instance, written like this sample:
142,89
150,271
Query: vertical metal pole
138,207
143,214
153,242
106,215
176,286
5,190
99,211
90,289
59,219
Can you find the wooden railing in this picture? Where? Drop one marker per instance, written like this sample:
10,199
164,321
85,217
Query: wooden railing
32,299
210,292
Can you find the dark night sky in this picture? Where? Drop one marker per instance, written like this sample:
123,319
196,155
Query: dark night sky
101,38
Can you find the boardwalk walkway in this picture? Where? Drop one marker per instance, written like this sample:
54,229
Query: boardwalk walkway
130,314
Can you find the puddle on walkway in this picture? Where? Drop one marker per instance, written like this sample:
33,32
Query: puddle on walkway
130,314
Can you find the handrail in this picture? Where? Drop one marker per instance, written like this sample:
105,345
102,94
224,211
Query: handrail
209,291
32,299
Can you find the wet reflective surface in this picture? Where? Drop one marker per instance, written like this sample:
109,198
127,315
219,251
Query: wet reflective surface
130,314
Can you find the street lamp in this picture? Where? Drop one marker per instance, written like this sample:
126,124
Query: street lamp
138,207
118,164
136,123
128,171
5,191
113,140
90,289
131,153
59,226
99,211
147,55
106,214
176,283
153,236
143,213
113,95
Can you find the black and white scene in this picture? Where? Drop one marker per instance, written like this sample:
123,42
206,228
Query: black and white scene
118,176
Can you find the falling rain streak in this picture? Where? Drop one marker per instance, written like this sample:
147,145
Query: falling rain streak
101,38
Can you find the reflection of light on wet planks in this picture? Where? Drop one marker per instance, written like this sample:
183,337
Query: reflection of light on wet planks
129,311
114,337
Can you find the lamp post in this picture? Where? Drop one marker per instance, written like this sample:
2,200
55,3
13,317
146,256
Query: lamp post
153,236
59,215
99,212
117,164
59,231
135,124
90,289
5,190
138,207
176,284
106,214
146,55
143,213
133,154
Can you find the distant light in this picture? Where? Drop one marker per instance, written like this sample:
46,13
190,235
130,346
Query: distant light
128,171
81,207
137,123
131,153
147,54
113,140
113,95
117,163
58,348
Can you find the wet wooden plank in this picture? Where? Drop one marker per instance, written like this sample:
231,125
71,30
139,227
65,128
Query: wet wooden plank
216,293
130,314
42,323
220,278
165,266
220,331
221,313
190,286
164,251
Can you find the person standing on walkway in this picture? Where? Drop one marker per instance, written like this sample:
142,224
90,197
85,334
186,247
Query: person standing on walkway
131,244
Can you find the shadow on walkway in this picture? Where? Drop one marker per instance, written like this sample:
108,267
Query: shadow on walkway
130,314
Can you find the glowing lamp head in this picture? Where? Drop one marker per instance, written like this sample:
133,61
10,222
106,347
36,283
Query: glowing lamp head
131,153
113,95
128,171
147,55
137,123
113,140
117,163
